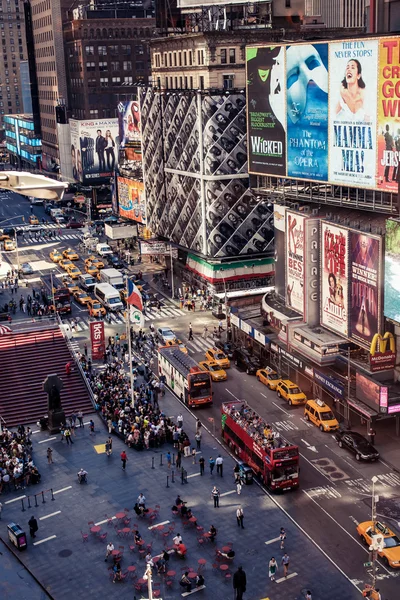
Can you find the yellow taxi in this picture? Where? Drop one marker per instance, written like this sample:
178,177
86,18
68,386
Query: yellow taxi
92,270
268,377
33,220
55,256
217,374
73,271
65,263
391,551
215,355
9,245
4,236
70,254
291,392
81,297
321,415
95,308
177,342
94,261
71,285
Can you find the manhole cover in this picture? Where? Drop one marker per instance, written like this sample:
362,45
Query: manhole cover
65,553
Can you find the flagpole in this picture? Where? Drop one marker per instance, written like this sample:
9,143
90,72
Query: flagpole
128,327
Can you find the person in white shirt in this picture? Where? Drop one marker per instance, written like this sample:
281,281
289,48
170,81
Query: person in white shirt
110,548
177,539
141,500
220,465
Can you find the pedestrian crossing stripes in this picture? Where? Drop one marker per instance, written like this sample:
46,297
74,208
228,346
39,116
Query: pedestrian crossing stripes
152,314
200,344
363,486
31,239
326,491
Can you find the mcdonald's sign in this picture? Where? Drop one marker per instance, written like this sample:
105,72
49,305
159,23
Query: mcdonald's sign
382,355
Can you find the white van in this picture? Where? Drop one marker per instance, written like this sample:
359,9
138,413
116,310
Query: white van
113,277
56,212
108,296
103,249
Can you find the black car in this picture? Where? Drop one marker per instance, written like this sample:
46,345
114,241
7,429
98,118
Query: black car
114,261
227,348
245,361
358,444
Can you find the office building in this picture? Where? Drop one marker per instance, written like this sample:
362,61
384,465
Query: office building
23,145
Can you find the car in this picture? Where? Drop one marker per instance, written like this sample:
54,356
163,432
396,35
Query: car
12,232
356,443
217,374
391,551
94,261
26,269
36,201
65,263
178,343
59,219
74,272
164,334
92,270
111,220
321,415
74,225
246,361
81,297
9,245
151,300
33,220
70,254
70,285
4,236
227,348
56,256
114,261
48,208
291,392
269,377
95,308
216,355
87,282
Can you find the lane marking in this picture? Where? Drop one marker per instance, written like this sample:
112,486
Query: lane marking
15,499
263,395
227,493
47,440
44,540
285,578
50,515
282,409
193,475
272,541
236,398
158,524
63,489
36,431
105,521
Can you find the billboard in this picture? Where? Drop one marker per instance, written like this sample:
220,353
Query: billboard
295,261
155,247
365,287
392,270
131,199
129,128
120,231
94,149
334,278
280,249
97,340
373,394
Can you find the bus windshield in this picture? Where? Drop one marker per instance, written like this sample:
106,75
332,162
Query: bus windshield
284,473
200,385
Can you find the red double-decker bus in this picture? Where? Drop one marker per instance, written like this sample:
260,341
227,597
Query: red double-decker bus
274,460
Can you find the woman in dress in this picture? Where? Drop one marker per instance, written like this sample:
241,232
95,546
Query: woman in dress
272,568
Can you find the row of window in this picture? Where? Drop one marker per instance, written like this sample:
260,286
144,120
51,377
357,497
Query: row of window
182,83
114,66
113,50
180,58
117,33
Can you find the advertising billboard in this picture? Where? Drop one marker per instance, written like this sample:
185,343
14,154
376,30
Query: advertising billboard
365,287
120,231
392,270
280,249
307,111
353,80
131,199
295,261
97,340
94,149
371,393
266,119
334,278
129,128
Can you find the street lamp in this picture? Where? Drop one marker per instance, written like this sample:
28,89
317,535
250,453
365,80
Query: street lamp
148,576
29,184
378,542
226,297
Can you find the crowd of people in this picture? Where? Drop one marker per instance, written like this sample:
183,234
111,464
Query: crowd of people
17,468
256,427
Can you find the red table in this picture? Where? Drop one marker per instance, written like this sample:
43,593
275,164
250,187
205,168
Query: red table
120,515
116,554
224,567
140,543
192,574
193,519
126,531
95,529
142,581
131,569
226,549
155,559
202,562
171,573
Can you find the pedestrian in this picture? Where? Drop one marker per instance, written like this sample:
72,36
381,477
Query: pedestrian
285,563
197,437
194,455
211,463
124,458
1,509
107,446
239,583
190,332
33,526
180,421
205,332
220,328
282,537
85,347
239,488
185,582
49,456
215,496
201,463
91,426
67,435
198,426
220,465
110,548
272,568
179,460
308,595
239,517
141,500
80,418
169,459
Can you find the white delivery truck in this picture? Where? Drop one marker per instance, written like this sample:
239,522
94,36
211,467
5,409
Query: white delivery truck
108,296
103,249
113,277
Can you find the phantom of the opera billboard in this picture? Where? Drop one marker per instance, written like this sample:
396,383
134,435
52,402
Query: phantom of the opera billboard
327,112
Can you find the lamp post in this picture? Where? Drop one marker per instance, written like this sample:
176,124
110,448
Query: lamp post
377,540
226,297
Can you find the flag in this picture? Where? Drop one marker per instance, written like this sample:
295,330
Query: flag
134,296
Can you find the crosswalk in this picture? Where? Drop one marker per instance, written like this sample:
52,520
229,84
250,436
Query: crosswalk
363,486
30,238
323,491
200,344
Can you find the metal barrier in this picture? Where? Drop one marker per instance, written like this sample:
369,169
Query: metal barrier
35,496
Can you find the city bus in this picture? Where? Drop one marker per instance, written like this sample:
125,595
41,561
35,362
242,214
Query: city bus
185,378
243,430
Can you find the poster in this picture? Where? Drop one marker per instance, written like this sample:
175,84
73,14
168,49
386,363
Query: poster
392,270
280,249
131,199
129,128
94,150
352,107
97,340
295,261
307,111
365,292
388,114
334,278
266,124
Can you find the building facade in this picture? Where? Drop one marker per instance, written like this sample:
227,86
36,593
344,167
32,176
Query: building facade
23,145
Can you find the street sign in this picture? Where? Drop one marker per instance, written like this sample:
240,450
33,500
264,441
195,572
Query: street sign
368,564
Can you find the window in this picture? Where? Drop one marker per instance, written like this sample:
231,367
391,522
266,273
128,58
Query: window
115,65
103,81
126,50
92,82
127,65
139,65
89,50
94,113
116,80
90,66
223,56
201,82
102,50
287,3
139,49
228,82
113,50
128,79
232,56
103,66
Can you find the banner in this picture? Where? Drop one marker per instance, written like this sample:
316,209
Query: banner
134,297
97,340
295,261
365,291
266,110
136,317
129,126
382,354
352,107
94,149
388,114
392,270
334,278
131,199
372,393
307,111
280,249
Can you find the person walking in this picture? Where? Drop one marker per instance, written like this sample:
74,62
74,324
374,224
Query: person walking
190,332
272,569
110,548
80,418
124,458
239,583
215,496
179,460
197,437
211,463
205,332
49,456
33,526
201,463
85,348
239,488
282,537
285,562
179,420
220,465
108,447
194,455
91,426
169,459
240,517
67,435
